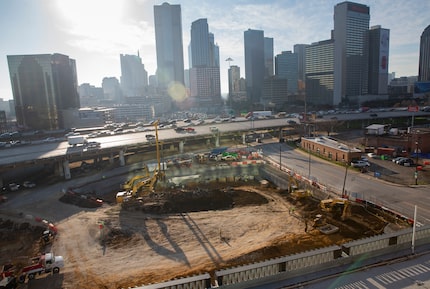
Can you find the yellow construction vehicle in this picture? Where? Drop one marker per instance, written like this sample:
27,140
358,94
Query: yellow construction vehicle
134,180
143,184
294,190
337,206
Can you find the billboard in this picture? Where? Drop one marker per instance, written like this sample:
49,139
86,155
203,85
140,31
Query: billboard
422,87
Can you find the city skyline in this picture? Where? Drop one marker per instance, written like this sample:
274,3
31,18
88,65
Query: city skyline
95,33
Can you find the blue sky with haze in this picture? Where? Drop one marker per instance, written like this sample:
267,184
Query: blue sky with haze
96,32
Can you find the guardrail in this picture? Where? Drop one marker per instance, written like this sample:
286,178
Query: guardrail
291,266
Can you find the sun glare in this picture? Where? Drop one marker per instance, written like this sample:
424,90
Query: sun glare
95,16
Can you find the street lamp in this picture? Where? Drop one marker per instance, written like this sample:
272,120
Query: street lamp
280,157
309,150
346,174
416,163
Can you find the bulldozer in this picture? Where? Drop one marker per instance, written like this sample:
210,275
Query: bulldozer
141,185
338,207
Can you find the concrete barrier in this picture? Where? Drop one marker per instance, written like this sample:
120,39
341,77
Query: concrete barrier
195,282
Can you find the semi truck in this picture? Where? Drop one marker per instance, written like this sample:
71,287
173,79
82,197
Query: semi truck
42,264
76,140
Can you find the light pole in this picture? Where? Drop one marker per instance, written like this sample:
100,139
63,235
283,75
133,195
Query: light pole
416,163
280,157
346,174
309,150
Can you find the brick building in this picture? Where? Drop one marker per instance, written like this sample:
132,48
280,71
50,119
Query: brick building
330,148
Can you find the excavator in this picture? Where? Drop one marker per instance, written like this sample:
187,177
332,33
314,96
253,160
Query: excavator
127,186
141,185
337,206
294,190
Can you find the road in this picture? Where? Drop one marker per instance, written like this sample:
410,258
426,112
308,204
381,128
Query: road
401,199
44,150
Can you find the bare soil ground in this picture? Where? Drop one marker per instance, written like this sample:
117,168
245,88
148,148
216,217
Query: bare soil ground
181,233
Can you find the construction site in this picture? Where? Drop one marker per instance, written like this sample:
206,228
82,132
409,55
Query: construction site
182,217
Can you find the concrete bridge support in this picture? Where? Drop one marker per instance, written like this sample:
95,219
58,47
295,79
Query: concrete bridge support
181,146
58,169
66,170
121,158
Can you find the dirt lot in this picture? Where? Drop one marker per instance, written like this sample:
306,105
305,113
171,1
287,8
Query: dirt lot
176,233
180,233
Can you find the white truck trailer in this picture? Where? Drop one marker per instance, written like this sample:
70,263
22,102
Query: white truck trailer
77,140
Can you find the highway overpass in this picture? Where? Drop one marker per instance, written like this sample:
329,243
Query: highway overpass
60,155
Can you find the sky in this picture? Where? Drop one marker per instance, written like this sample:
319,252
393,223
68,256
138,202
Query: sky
96,32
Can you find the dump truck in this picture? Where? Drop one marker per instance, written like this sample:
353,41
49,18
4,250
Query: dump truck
42,264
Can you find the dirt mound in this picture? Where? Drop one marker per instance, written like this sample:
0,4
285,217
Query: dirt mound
194,200
81,200
19,241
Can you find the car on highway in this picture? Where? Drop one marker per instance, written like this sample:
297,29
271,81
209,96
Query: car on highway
50,139
12,187
93,145
28,184
359,164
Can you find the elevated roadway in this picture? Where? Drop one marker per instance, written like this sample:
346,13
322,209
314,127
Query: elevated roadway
117,146
60,154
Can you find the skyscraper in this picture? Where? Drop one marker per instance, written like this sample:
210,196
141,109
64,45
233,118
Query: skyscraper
378,50
254,64
203,50
351,21
168,42
299,49
268,57
319,73
286,67
205,83
134,77
424,62
43,86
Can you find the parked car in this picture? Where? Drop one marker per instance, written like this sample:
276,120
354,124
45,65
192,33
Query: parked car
360,164
395,160
407,162
400,160
372,155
